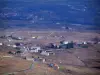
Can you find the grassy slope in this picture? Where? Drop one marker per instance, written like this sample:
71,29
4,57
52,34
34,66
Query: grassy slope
10,65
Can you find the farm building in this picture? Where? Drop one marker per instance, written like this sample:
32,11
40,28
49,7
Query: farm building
47,53
34,49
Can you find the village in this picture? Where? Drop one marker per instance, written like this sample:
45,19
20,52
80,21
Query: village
30,50
53,50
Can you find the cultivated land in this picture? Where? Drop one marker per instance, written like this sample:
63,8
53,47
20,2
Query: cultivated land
75,61
52,36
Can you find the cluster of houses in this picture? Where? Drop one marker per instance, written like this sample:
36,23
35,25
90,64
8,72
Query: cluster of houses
11,37
61,45
66,45
48,49
31,49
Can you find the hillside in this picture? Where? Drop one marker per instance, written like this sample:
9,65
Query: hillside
19,66
48,13
90,57
22,67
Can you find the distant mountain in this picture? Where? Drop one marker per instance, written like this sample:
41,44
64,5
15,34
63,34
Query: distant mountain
49,12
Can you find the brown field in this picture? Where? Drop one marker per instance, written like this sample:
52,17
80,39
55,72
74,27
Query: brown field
14,65
45,37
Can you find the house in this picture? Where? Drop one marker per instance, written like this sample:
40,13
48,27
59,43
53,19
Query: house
1,44
19,38
84,43
22,48
14,46
34,37
66,44
41,60
9,40
34,49
16,38
47,53
98,42
29,59
8,45
18,44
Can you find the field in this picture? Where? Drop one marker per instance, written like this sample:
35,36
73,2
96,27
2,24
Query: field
19,66
54,36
